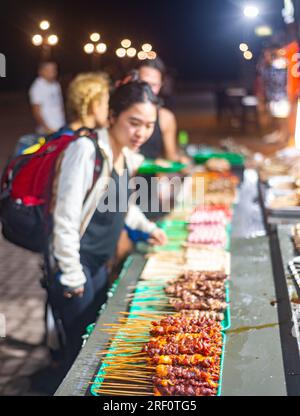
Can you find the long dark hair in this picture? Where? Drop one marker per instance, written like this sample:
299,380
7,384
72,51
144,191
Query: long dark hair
156,63
130,93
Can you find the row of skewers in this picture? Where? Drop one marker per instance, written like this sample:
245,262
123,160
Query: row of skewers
186,353
208,226
180,301
187,347
182,357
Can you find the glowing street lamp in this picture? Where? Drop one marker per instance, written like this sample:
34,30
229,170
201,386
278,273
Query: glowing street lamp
52,40
95,37
263,31
131,52
248,55
45,39
37,40
151,55
243,47
89,48
126,50
44,25
142,55
94,48
147,47
121,52
251,11
101,48
126,43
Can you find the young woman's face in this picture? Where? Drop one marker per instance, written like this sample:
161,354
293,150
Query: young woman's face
133,127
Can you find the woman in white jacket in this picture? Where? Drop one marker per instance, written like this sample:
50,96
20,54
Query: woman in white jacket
85,237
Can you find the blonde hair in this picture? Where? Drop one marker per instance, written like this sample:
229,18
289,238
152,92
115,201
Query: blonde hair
83,90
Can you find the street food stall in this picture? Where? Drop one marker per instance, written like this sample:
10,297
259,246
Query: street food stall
212,313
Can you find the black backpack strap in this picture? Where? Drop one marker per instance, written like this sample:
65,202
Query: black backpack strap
98,164
92,135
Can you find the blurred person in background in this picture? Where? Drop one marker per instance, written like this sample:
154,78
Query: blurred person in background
291,52
163,142
46,99
273,74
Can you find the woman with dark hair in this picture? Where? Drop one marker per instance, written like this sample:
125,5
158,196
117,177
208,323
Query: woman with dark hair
162,143
85,234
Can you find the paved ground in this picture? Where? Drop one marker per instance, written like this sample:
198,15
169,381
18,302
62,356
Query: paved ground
22,352
23,358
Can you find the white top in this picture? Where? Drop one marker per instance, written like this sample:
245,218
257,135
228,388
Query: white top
72,213
49,96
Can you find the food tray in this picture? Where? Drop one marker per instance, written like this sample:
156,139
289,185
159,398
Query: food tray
276,182
134,313
235,159
101,373
150,167
286,212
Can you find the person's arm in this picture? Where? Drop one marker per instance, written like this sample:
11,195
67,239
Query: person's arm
75,179
36,99
37,115
136,220
168,127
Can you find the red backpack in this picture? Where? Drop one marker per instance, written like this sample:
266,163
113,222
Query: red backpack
26,190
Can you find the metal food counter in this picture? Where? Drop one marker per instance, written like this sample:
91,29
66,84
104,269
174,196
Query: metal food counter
262,355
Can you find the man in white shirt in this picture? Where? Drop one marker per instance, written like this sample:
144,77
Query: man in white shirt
46,99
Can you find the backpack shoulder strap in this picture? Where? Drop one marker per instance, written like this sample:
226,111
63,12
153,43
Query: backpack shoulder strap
92,135
98,163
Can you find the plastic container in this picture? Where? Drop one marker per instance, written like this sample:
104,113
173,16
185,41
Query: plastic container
150,167
235,159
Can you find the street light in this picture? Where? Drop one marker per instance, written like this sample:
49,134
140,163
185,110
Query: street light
126,49
44,25
142,55
121,52
251,11
147,47
95,49
263,31
37,40
101,48
151,55
244,47
89,48
126,43
95,37
131,52
52,40
45,40
248,55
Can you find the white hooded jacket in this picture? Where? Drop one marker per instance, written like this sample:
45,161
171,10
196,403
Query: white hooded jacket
72,213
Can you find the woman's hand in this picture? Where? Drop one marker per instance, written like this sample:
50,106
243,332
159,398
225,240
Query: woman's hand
70,293
158,237
185,160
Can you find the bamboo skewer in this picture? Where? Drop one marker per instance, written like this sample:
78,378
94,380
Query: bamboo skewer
131,366
122,393
134,374
112,352
127,386
152,315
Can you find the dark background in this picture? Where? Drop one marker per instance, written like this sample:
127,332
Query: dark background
198,39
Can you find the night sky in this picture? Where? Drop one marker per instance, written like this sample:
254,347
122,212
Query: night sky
198,39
